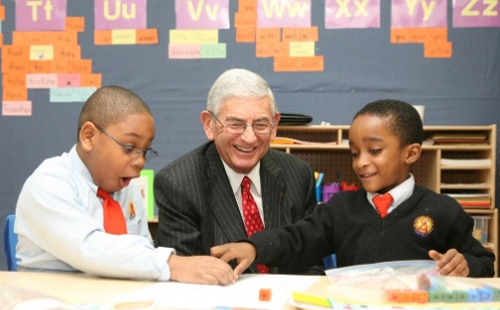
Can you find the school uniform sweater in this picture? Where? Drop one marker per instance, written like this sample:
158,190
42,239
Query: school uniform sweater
350,227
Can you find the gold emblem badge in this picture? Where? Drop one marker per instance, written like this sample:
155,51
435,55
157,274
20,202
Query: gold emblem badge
131,210
423,225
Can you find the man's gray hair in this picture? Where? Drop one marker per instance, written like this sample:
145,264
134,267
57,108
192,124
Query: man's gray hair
239,83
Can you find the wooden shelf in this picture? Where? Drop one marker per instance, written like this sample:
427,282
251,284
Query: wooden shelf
333,160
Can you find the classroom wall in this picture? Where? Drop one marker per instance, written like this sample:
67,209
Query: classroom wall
360,65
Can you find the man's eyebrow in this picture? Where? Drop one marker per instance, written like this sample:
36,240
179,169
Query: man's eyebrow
234,118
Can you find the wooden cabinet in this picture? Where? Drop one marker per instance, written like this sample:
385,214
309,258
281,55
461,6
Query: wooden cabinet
471,172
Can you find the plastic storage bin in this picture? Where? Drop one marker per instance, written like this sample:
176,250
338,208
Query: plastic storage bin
481,225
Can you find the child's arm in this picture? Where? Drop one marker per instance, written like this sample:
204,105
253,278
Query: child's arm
291,247
200,269
451,263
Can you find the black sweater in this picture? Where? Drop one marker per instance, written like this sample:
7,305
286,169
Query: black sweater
350,227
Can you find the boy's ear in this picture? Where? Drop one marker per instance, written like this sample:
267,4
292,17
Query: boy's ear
413,153
87,136
206,120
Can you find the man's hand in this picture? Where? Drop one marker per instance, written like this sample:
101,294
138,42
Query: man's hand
451,263
200,269
244,252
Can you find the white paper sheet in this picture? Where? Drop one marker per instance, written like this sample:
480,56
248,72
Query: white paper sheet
243,294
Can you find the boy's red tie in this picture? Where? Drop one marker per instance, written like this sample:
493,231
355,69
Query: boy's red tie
114,221
252,219
382,203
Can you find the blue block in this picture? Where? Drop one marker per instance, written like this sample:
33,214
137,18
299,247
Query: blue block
485,294
473,295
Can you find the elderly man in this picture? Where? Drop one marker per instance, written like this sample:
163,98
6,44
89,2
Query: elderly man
234,185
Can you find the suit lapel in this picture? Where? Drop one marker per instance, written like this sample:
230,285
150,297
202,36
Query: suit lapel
221,198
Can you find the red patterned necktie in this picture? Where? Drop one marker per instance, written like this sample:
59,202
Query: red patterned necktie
382,203
114,221
252,219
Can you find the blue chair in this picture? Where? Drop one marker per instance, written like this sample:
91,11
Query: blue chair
10,242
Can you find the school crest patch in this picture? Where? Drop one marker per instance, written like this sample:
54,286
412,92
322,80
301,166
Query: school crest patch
423,226
131,210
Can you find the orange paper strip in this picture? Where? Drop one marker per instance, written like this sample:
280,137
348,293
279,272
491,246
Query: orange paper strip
66,52
268,35
271,49
247,6
438,50
15,94
1,39
246,19
102,37
146,36
400,35
21,52
66,37
2,12
91,80
300,34
19,66
61,66
75,23
434,35
289,64
82,66
40,66
29,38
245,34
13,80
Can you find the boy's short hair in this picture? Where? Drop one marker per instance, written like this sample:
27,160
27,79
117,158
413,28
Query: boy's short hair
110,105
404,120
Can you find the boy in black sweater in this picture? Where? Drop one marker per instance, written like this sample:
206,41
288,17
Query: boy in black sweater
385,139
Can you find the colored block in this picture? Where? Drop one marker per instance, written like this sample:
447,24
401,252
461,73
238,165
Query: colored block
450,297
462,296
496,295
265,294
392,296
436,296
421,297
485,294
473,295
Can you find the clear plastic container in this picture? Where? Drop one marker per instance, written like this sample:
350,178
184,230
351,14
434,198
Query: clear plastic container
15,298
481,225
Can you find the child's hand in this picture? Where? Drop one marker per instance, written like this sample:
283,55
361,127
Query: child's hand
451,263
244,252
200,269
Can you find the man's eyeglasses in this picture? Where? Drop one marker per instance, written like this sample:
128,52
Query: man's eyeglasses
237,128
132,151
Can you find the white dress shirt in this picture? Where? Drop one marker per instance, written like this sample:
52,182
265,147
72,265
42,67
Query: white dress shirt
399,193
236,178
59,222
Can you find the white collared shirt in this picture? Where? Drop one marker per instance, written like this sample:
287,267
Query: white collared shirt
399,194
59,222
236,178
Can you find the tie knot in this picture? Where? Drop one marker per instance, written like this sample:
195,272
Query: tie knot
245,185
103,194
382,203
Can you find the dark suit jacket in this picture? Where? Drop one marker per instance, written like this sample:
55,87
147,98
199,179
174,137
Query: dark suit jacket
198,210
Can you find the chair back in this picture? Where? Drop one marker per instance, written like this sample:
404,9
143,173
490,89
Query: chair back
10,242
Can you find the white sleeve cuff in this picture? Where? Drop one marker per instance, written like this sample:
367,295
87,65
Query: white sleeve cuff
161,258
